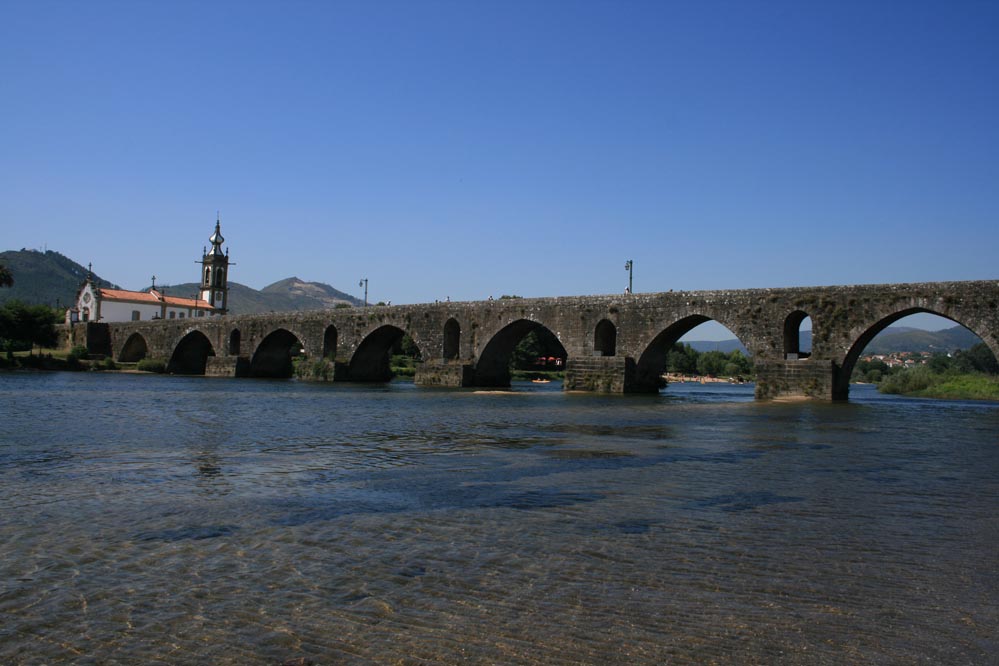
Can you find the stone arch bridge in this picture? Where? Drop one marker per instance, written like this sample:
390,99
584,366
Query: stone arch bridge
613,344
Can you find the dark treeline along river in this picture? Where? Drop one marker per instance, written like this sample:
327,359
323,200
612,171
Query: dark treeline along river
168,520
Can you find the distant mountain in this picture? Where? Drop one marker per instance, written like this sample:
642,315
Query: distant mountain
286,295
305,293
51,278
892,339
725,346
44,278
916,340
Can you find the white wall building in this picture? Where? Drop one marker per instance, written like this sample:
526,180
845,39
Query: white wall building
97,304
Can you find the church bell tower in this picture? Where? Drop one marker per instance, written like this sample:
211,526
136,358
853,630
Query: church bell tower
215,273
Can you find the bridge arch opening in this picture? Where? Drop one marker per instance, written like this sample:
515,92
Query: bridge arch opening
273,356
329,342
234,342
134,349
191,355
372,362
605,338
682,352
522,346
797,335
911,349
452,339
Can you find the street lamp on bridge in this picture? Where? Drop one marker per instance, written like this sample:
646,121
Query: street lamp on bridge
628,265
364,283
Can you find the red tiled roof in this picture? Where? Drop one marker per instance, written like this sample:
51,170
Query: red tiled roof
154,297
124,295
187,302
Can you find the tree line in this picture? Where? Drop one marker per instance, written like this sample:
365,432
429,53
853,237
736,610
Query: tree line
977,359
683,359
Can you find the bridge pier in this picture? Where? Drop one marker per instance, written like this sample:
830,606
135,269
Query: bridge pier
804,378
600,374
227,366
440,372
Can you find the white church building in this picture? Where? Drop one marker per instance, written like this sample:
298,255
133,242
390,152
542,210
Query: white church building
99,304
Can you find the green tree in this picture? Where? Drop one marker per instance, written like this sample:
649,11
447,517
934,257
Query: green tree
977,359
940,363
539,342
682,359
23,326
406,347
6,278
712,363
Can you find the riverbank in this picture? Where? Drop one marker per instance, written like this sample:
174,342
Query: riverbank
945,387
674,378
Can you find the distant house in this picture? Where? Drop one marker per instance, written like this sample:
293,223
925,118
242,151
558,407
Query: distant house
98,304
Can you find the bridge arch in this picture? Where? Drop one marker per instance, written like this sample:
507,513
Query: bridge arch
452,339
605,338
190,356
792,335
235,338
371,362
841,380
273,356
329,342
493,366
652,363
134,349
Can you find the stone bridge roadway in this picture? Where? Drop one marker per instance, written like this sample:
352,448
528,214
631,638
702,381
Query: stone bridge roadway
614,344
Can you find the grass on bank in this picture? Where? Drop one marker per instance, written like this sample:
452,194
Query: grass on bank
73,359
924,383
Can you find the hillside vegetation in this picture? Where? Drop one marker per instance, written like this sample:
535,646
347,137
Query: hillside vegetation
43,278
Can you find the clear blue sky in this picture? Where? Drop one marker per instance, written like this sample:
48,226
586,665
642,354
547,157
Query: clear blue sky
468,149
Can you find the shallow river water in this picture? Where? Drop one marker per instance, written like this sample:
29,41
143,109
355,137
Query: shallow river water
167,520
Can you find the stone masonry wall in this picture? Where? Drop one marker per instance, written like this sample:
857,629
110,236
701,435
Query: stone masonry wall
843,319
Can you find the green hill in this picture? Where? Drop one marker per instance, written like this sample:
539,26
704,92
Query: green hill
43,278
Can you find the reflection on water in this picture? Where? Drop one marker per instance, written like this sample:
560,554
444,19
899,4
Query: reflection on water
192,521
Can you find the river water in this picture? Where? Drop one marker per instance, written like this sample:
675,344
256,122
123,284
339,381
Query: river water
169,520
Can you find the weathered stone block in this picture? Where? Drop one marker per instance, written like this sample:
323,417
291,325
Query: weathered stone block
804,378
600,374
227,366
445,373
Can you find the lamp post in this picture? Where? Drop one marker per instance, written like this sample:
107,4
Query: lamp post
364,283
628,266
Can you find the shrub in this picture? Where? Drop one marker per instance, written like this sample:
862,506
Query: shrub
77,352
908,381
318,370
151,365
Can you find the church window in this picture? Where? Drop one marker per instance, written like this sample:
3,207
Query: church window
180,315
173,315
135,315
